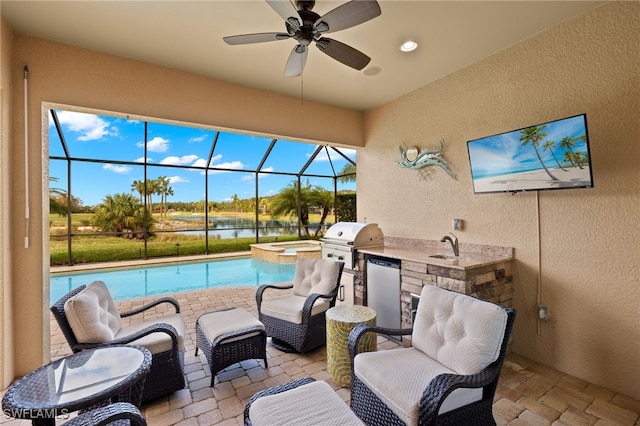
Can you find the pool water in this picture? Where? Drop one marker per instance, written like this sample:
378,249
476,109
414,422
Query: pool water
131,283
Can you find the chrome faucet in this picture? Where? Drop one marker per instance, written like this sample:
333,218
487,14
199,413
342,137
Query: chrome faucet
454,243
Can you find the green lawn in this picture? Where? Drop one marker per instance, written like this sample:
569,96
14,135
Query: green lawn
92,248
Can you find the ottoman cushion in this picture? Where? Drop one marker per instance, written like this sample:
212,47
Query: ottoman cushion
315,403
215,324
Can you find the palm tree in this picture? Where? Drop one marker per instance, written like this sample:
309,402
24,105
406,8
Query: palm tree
121,212
165,190
348,173
286,202
320,197
235,199
535,135
56,199
152,187
139,187
549,145
569,142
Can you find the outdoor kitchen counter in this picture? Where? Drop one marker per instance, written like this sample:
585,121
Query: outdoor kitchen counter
466,260
481,271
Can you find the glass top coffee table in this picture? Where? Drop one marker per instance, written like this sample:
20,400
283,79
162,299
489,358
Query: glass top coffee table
78,382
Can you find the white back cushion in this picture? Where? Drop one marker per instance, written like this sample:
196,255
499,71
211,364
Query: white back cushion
461,332
315,276
92,315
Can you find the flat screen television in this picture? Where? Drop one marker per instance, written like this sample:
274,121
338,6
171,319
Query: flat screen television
551,155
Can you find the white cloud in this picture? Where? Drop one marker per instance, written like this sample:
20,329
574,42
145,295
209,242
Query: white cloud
200,162
141,160
180,161
123,170
158,144
90,127
230,165
198,139
178,179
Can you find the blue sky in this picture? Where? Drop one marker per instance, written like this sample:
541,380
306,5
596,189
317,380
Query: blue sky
503,153
114,139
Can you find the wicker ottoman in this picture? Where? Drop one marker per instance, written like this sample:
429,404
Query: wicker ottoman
229,336
301,402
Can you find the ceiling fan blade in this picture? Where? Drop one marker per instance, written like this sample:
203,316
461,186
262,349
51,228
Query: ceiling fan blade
348,15
343,53
285,9
296,61
255,38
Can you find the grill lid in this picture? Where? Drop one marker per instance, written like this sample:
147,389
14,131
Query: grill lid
355,233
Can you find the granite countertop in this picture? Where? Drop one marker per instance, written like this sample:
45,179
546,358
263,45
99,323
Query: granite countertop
466,260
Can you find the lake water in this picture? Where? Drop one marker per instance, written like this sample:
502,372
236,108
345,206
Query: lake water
130,283
240,227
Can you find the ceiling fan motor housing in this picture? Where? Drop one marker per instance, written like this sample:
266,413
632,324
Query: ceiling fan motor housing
305,4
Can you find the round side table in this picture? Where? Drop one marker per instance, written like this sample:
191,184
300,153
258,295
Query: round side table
340,321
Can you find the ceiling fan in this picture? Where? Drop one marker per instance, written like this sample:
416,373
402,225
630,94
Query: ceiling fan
306,26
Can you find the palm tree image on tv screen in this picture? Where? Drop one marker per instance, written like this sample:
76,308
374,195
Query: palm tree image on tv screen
552,155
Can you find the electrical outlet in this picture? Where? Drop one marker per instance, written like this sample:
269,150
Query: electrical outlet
543,313
456,224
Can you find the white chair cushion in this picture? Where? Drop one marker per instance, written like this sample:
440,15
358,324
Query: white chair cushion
156,342
315,276
399,376
92,314
289,308
215,324
311,404
461,332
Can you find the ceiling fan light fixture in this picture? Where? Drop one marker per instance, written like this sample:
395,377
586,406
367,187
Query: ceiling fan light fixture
408,46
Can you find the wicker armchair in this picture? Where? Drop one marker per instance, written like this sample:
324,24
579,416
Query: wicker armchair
296,322
116,414
449,374
163,336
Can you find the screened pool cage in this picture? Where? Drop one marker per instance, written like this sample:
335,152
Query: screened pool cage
209,186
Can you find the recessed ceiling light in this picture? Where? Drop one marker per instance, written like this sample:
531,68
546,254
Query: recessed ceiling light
409,46
372,71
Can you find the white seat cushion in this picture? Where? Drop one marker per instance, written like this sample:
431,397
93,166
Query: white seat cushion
156,342
311,404
215,324
399,376
92,314
289,308
461,332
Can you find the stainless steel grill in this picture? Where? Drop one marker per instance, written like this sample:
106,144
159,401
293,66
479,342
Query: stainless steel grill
342,241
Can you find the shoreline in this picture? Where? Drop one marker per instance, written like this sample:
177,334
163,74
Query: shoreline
538,179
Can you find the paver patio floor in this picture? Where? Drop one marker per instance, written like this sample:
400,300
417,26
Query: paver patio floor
529,393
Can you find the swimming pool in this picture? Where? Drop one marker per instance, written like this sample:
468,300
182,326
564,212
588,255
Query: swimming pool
130,283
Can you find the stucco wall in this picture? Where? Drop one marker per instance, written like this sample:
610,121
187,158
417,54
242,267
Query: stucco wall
6,334
588,246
